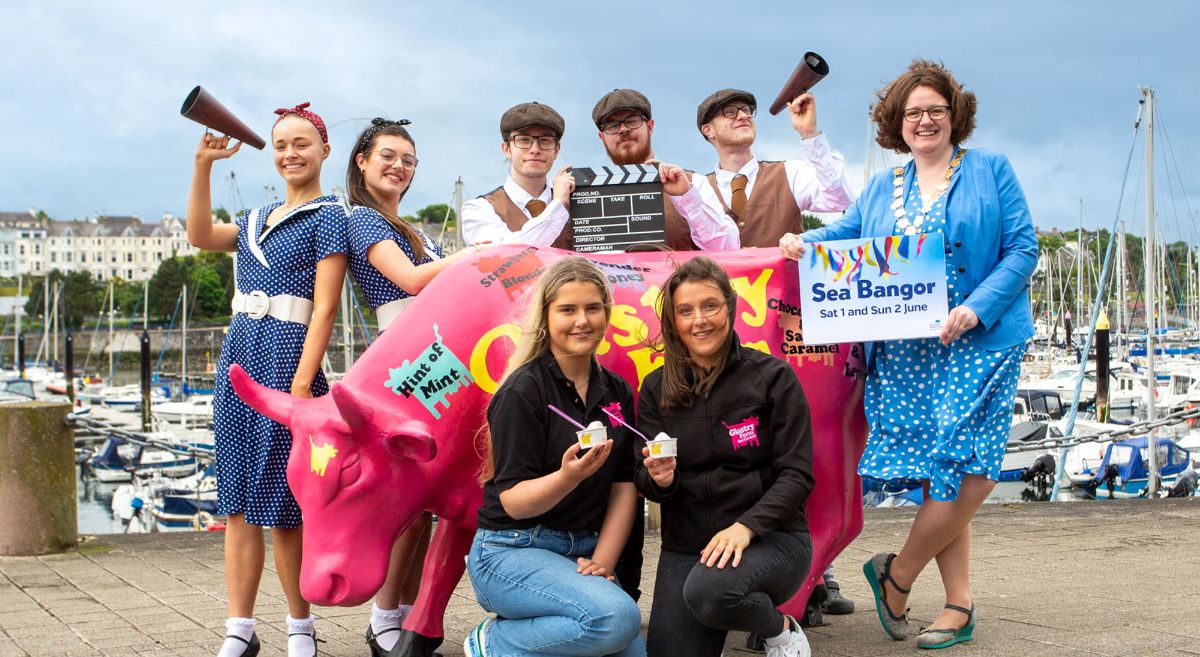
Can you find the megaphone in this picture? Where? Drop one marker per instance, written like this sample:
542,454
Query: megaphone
202,108
812,69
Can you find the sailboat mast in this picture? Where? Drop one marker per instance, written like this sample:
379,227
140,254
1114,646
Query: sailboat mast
347,326
1123,295
1151,285
1079,268
17,311
183,386
111,333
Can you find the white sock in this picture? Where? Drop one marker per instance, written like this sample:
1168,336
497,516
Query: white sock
384,619
301,637
241,627
781,638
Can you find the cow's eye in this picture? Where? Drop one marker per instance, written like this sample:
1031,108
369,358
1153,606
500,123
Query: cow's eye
350,473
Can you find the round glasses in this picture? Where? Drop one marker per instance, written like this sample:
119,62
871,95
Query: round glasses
936,113
389,158
631,123
731,111
545,142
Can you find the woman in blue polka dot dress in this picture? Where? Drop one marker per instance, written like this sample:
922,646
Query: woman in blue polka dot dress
392,260
291,260
939,409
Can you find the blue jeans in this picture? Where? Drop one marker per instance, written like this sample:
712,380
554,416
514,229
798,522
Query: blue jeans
527,577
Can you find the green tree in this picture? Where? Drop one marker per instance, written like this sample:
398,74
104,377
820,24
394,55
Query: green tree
165,286
79,297
209,294
811,221
222,215
435,214
222,265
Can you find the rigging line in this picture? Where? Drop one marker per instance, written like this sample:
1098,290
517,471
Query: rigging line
1178,172
1097,305
1170,188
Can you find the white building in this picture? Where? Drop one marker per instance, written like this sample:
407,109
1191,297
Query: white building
107,247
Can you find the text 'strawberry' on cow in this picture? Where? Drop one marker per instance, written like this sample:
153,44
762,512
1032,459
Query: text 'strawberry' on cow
403,432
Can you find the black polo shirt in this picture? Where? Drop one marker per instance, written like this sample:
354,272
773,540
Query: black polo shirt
528,441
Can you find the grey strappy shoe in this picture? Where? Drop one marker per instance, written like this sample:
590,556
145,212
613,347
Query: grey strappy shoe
879,570
933,639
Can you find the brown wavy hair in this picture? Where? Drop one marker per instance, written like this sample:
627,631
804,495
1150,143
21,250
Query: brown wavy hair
682,377
888,112
356,187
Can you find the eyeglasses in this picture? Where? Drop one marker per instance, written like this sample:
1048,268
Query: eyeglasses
389,158
731,111
631,123
545,142
707,309
936,113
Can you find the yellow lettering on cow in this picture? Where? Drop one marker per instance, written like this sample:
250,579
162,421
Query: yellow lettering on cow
645,360
628,328
478,364
760,345
319,457
754,294
651,299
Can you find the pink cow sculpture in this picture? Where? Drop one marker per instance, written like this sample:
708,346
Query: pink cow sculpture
402,433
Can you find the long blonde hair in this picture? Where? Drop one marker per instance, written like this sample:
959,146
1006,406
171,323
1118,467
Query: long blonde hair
534,341
535,338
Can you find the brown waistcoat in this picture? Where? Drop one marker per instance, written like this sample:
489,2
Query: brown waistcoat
515,219
679,234
770,212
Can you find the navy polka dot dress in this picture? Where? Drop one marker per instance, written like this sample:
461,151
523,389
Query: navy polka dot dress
938,413
367,228
252,450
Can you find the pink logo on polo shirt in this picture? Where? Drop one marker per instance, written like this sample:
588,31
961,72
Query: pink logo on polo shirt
743,433
614,409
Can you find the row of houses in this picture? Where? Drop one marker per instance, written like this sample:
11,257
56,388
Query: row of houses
105,246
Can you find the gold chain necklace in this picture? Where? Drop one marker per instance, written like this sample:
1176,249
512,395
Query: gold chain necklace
898,202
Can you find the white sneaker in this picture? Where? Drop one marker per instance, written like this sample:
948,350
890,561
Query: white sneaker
795,646
476,639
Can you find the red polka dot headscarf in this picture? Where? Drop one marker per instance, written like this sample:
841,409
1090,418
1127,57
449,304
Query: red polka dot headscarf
301,111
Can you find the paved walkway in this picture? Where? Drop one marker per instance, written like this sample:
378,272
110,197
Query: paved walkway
1107,578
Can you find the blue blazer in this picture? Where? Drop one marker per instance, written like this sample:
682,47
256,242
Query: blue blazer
989,236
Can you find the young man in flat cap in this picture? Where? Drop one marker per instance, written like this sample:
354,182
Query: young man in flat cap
766,199
626,125
525,209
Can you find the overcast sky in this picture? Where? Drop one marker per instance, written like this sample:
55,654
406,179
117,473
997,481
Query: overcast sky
91,91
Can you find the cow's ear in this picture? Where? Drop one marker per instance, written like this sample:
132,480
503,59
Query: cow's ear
412,440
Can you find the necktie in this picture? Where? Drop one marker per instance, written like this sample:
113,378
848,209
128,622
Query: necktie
535,207
738,187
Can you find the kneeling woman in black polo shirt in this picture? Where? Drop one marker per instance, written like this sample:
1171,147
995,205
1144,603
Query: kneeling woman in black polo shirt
735,543
554,517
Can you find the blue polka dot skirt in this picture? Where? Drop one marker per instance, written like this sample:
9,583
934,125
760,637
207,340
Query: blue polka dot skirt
252,450
938,413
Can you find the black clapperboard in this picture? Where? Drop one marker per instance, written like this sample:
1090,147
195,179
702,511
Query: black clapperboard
614,207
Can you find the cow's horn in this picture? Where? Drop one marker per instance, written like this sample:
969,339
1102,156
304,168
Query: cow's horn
355,413
272,403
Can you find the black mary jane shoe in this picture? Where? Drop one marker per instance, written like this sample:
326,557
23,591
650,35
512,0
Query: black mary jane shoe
252,645
312,635
376,649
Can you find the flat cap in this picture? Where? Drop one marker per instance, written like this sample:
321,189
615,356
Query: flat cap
709,106
618,99
527,114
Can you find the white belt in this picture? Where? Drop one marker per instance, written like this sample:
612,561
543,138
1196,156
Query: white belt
388,312
283,307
